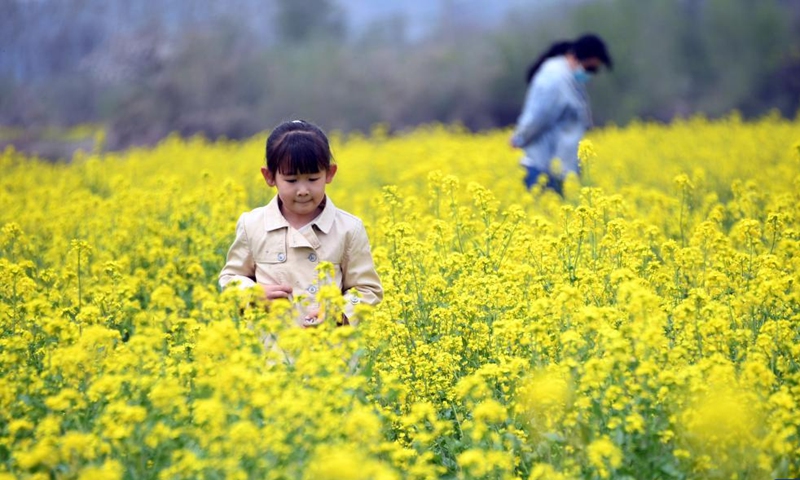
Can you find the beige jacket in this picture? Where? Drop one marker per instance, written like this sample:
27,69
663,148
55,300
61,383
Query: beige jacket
268,251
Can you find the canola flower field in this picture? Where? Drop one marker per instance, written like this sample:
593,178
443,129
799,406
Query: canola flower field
646,325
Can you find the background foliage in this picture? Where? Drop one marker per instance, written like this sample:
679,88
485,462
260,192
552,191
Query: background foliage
236,68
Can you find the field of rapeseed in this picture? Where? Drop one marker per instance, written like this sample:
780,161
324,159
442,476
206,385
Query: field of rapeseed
646,325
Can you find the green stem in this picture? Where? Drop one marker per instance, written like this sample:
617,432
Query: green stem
80,296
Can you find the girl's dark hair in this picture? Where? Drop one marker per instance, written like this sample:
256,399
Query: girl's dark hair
585,47
298,147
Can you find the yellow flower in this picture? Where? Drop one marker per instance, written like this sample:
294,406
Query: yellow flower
544,471
481,464
543,398
489,411
76,444
604,456
342,462
109,470
724,425
42,453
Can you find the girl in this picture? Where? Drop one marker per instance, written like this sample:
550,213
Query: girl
278,246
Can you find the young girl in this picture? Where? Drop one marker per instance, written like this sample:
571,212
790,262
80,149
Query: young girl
278,246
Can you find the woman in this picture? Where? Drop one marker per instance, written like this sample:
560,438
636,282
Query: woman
556,112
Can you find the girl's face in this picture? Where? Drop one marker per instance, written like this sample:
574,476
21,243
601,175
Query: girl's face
301,194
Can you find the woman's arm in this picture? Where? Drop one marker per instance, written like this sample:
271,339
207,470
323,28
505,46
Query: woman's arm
542,107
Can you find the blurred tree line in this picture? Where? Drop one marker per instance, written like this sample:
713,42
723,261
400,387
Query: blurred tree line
235,68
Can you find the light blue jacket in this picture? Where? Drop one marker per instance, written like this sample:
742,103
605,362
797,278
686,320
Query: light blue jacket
554,118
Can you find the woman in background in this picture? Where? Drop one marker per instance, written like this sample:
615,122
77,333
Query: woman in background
556,113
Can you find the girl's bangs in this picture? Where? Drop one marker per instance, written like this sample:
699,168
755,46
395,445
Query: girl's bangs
303,157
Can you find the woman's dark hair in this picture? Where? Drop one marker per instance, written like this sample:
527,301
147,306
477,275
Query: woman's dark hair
298,147
556,49
585,47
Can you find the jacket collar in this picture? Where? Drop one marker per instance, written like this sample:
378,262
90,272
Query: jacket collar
275,220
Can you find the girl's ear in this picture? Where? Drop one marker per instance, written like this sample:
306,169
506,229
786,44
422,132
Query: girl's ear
329,174
268,176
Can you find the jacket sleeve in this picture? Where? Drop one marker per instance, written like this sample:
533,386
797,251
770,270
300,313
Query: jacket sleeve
360,281
543,104
239,264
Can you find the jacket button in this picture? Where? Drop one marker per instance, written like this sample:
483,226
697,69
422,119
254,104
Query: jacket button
312,257
312,289
355,300
281,257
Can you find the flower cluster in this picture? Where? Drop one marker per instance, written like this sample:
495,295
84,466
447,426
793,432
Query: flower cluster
645,325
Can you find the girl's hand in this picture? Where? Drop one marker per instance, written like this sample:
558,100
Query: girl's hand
274,292
313,318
